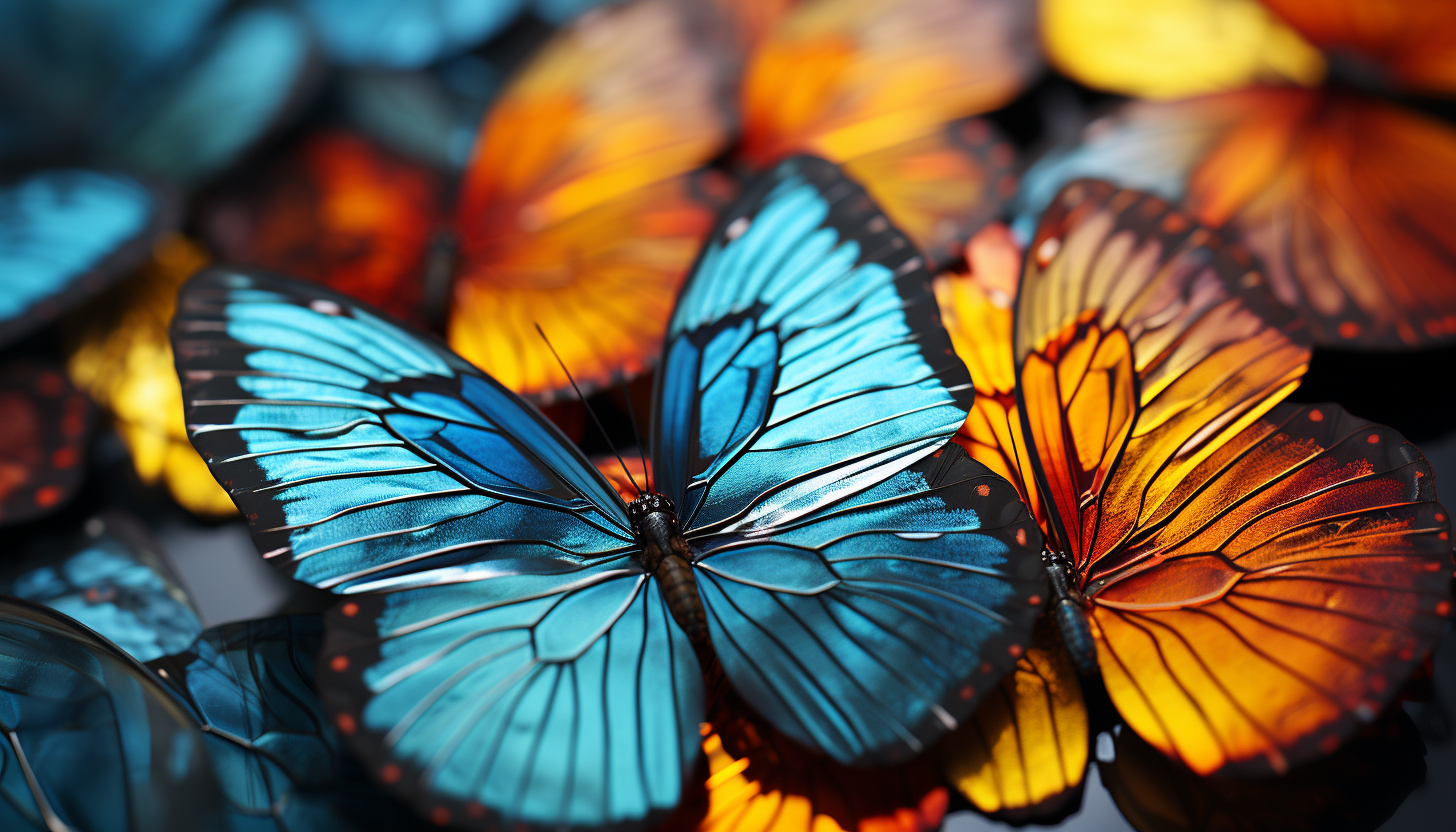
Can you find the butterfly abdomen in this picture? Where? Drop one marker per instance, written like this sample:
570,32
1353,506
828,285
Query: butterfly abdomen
1070,611
666,555
680,590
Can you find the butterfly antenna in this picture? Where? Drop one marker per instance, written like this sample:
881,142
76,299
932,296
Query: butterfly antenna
589,411
632,415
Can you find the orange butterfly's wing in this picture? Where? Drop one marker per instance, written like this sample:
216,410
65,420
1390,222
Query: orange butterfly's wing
43,443
760,781
1359,787
975,307
121,354
341,211
577,211
1023,753
1260,577
1412,42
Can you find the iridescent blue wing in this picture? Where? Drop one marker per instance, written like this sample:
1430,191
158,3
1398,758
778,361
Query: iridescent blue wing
93,743
112,583
65,234
496,622
248,74
804,360
405,33
279,762
864,583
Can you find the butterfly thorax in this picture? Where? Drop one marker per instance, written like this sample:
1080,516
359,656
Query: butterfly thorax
666,556
1069,608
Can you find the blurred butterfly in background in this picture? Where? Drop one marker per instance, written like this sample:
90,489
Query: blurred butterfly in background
73,703
118,352
47,424
1340,193
513,640
110,579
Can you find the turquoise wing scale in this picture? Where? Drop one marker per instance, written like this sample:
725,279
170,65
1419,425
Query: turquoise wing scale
864,582
499,654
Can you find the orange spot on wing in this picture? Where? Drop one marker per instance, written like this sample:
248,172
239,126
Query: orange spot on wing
339,663
48,495
346,723
984,490
440,816
350,609
390,774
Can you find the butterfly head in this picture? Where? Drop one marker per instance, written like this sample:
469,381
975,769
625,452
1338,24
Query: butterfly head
650,503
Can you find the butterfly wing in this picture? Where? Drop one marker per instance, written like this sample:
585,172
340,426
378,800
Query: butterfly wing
805,392
495,622
249,75
341,211
1337,193
43,446
1215,533
65,234
278,758
404,34
114,584
1414,44
576,211
94,742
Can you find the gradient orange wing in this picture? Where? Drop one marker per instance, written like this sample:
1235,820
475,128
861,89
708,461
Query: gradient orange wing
1022,755
577,210
1413,42
1260,579
341,211
121,355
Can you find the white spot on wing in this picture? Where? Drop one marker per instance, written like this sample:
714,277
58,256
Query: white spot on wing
323,306
736,228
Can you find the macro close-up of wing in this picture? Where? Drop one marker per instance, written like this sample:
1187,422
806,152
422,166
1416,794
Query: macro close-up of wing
43,447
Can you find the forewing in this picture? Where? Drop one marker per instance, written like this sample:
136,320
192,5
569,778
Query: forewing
804,361
872,625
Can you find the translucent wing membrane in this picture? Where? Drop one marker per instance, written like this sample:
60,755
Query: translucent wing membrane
91,740
803,362
368,458
873,624
549,696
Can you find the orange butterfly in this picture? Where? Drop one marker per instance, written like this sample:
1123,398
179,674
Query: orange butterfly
1343,196
1252,580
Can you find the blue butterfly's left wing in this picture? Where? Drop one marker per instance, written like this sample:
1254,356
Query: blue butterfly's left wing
499,655
67,233
249,74
279,762
805,359
91,740
113,584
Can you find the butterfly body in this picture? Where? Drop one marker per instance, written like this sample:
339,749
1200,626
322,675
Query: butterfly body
1069,607
666,556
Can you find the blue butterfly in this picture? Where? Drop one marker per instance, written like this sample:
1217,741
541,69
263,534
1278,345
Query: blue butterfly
64,235
514,642
93,743
114,586
280,764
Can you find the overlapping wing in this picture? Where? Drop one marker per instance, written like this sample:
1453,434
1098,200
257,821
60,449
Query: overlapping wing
92,741
871,625
1414,43
1023,754
803,362
500,656
405,34
279,761
47,425
1142,344
66,233
578,210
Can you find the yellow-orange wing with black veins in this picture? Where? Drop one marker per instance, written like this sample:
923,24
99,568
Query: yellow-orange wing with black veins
579,209
1022,755
1260,577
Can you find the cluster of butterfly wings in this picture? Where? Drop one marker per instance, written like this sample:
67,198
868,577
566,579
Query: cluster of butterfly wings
881,518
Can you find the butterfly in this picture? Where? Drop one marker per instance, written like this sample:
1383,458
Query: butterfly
94,741
280,764
109,579
888,91
513,640
1339,192
43,447
1251,579
119,354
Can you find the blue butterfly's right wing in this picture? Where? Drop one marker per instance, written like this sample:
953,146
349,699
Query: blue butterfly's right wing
500,654
804,361
65,234
92,742
405,34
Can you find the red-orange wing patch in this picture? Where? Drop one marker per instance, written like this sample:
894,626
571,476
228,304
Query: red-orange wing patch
578,211
341,211
43,443
1413,42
